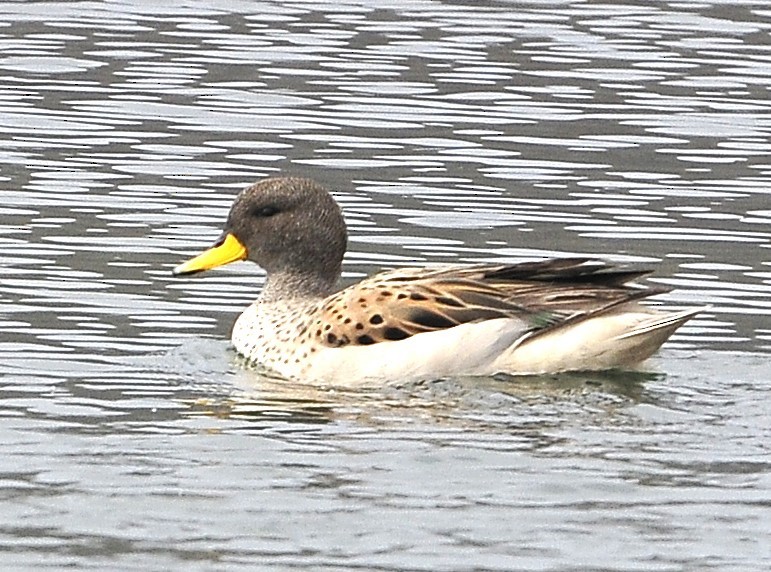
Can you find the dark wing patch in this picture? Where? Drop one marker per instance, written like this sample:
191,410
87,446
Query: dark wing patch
428,320
395,334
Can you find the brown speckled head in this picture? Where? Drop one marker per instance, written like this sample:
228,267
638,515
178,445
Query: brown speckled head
290,227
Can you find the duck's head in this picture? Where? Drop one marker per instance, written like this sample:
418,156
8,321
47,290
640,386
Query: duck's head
289,226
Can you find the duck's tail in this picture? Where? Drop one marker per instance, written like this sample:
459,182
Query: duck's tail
621,338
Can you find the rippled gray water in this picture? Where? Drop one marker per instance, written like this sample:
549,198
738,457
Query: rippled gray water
131,435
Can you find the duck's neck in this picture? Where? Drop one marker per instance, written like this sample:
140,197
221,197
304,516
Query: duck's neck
283,286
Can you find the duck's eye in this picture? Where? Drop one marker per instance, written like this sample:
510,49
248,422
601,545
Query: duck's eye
264,211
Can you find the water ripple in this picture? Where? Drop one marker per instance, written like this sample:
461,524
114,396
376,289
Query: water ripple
448,133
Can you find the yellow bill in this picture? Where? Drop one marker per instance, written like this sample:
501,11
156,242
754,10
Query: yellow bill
226,250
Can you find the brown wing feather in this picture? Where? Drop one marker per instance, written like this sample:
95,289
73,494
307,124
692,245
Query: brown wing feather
402,303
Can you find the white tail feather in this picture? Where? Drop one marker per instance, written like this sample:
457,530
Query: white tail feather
619,339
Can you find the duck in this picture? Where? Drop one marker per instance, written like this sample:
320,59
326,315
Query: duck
420,323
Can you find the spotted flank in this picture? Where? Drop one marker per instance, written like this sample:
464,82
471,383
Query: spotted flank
420,323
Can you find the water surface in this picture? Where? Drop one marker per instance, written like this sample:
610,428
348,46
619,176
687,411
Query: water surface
134,438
